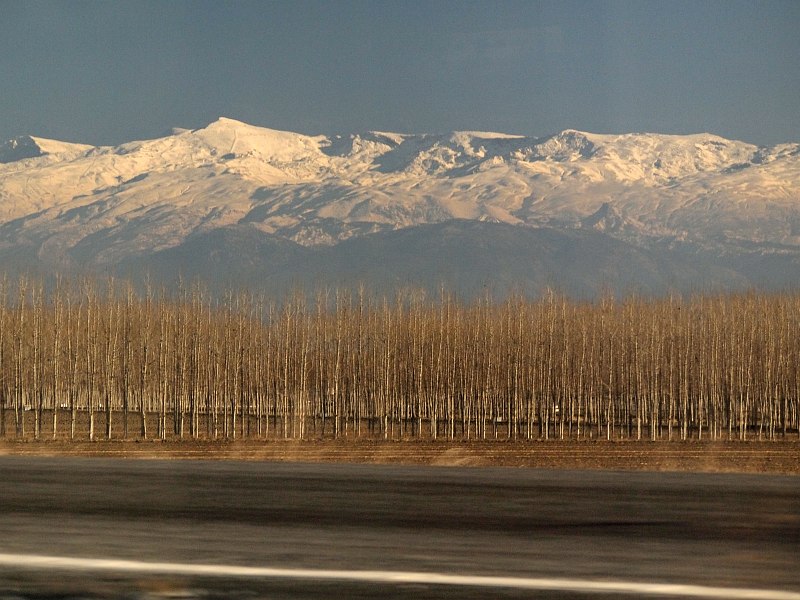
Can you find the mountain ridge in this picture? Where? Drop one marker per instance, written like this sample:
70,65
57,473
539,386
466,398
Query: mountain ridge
700,195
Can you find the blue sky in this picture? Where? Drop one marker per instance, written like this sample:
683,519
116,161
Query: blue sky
106,72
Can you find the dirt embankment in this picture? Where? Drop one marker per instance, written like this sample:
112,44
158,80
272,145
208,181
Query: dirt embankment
777,457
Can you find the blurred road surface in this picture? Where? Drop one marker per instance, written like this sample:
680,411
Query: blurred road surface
739,532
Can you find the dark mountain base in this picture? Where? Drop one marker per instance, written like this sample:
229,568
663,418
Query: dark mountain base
468,258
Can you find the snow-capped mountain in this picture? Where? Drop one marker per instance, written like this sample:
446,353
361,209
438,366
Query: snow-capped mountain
707,198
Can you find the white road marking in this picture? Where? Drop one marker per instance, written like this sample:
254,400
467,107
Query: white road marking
35,561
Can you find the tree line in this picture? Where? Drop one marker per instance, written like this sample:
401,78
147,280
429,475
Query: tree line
82,361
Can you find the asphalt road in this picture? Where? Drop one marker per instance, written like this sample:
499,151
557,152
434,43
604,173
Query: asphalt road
738,532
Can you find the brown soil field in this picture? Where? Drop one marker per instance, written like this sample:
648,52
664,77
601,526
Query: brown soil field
775,457
721,456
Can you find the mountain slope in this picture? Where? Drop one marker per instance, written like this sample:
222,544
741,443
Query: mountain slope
468,258
705,199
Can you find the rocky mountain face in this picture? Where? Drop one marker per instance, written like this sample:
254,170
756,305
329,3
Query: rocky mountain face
241,205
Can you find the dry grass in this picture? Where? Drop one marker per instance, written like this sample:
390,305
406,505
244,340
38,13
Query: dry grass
732,457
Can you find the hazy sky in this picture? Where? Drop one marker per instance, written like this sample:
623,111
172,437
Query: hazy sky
106,72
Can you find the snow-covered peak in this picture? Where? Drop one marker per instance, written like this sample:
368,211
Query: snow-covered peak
224,142
324,189
663,156
568,145
364,146
19,148
234,138
27,146
781,151
489,135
